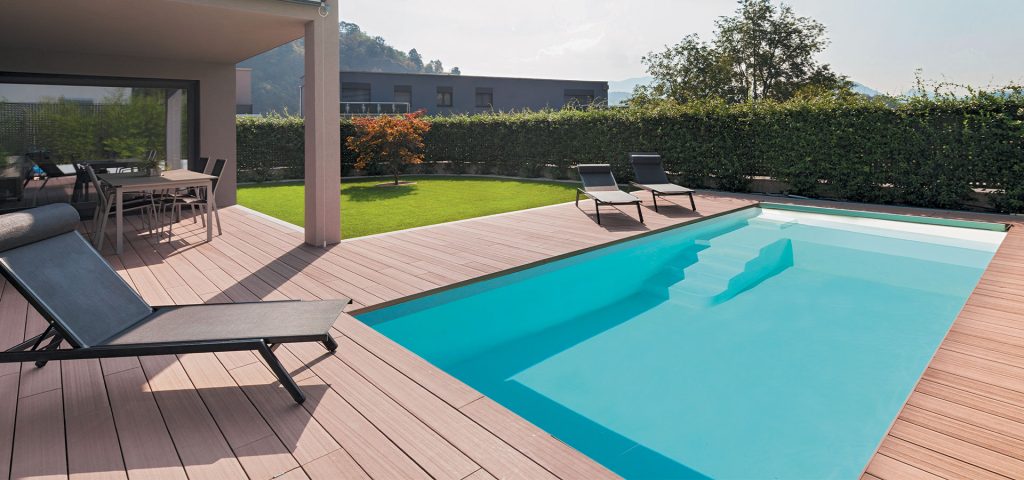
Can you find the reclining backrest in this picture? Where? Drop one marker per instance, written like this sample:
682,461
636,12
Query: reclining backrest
597,177
648,168
70,284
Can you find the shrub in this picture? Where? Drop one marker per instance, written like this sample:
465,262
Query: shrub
925,152
391,140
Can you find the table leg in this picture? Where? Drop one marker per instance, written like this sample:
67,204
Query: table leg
119,216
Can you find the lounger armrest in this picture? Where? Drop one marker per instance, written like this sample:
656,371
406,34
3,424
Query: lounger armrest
158,307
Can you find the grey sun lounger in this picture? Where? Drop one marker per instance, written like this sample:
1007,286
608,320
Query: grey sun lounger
599,185
91,309
651,176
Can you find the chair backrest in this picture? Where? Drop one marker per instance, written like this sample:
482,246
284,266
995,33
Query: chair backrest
597,177
648,169
200,164
64,278
216,171
101,193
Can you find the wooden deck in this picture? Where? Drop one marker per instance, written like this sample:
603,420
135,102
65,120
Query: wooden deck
377,411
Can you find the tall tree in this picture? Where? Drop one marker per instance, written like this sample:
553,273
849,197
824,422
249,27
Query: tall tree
416,59
762,52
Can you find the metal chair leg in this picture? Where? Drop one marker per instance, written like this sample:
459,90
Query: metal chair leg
640,212
282,375
330,344
597,208
216,216
693,206
654,196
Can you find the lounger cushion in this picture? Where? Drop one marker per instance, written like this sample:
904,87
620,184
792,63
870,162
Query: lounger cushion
30,226
666,188
266,320
615,197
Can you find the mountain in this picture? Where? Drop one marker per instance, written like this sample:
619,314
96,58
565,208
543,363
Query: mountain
864,90
276,74
628,84
620,91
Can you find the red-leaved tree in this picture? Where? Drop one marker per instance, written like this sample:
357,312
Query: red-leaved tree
392,140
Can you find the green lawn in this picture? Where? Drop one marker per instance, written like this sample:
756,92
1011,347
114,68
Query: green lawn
367,209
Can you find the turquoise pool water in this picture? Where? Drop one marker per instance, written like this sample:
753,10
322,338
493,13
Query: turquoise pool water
760,344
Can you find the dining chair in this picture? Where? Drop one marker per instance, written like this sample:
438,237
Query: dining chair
200,199
145,205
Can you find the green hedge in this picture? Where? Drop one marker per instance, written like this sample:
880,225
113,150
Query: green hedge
922,152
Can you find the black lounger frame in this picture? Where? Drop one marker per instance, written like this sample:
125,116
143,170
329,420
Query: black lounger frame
32,350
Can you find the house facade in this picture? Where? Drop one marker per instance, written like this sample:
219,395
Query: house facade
183,53
380,92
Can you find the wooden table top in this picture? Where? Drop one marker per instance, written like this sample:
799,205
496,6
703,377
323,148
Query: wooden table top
169,178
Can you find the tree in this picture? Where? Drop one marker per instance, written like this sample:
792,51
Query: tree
434,66
456,71
394,140
416,59
761,52
276,73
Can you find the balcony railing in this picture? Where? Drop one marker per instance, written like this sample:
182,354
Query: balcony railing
360,109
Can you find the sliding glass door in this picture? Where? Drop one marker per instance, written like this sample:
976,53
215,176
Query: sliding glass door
51,127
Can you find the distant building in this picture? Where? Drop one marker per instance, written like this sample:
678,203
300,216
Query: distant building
243,90
369,93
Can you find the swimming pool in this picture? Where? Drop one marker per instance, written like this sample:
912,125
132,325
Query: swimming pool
770,342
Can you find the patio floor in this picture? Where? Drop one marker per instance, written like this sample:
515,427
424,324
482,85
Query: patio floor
377,411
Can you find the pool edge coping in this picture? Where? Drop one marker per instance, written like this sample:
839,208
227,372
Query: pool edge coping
538,263
896,217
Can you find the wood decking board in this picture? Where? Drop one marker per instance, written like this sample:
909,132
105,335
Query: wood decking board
376,410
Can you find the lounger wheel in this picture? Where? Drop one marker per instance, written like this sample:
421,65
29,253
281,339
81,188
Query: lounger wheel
330,344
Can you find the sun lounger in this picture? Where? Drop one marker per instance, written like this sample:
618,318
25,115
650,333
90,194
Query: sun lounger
92,311
650,175
599,185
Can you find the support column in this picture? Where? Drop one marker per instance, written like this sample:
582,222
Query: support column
173,125
320,103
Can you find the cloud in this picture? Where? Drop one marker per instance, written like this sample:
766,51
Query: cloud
572,45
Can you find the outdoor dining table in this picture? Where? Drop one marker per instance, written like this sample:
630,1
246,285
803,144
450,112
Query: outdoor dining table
169,180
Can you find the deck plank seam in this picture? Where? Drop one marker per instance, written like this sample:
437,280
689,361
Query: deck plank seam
365,376
965,459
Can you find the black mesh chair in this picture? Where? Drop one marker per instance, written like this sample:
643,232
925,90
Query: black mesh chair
199,165
197,198
650,175
97,315
599,185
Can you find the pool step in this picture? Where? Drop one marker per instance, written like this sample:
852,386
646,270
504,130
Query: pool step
732,263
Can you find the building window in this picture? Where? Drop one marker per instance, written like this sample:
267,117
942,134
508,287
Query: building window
485,98
355,92
580,98
444,96
403,94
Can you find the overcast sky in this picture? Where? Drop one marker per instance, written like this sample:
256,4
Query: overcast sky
875,42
